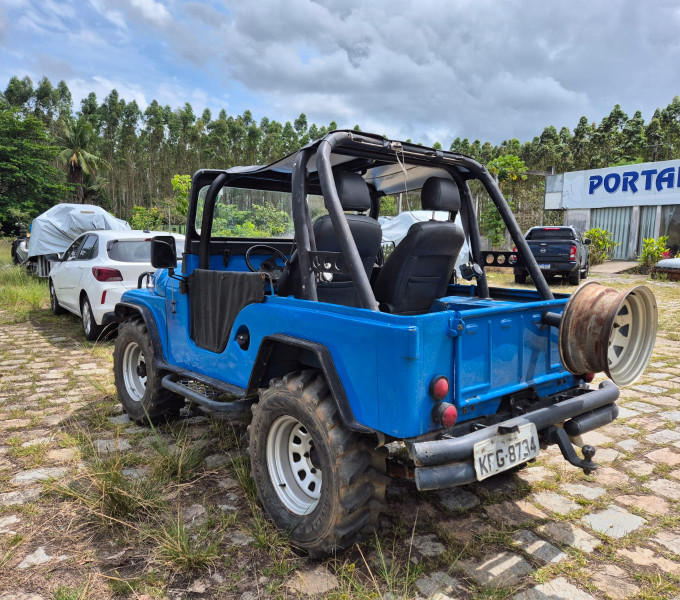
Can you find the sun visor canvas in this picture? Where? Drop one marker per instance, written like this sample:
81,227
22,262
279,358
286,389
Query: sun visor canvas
55,229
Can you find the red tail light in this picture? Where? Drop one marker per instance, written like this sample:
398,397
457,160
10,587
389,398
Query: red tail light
572,253
103,296
588,377
514,248
439,387
445,414
106,274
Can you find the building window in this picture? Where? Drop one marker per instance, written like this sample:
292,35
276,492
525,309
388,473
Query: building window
670,226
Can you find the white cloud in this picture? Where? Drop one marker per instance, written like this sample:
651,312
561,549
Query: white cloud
426,69
102,86
153,11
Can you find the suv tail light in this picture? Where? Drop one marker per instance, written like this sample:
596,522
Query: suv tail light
572,253
106,274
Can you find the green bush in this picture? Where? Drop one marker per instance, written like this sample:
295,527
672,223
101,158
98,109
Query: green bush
148,218
653,251
601,247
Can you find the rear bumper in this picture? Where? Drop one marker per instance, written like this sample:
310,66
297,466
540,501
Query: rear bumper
450,462
555,267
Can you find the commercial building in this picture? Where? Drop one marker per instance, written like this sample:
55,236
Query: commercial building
633,202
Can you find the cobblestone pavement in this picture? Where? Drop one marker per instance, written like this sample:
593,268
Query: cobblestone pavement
546,532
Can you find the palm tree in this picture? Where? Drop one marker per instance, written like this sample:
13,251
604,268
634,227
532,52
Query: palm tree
77,140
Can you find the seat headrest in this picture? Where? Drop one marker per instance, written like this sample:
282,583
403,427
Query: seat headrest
352,191
440,193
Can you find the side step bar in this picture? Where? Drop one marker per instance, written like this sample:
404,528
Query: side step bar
178,388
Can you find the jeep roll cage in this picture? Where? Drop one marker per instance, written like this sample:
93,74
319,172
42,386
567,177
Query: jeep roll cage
388,167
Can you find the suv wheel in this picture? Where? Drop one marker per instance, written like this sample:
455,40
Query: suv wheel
91,330
520,277
575,277
138,381
319,481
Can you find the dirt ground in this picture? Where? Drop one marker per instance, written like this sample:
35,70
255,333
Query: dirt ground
94,506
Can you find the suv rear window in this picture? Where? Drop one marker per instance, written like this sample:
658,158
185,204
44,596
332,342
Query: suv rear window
550,234
135,251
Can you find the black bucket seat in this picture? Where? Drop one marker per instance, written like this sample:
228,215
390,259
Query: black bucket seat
420,267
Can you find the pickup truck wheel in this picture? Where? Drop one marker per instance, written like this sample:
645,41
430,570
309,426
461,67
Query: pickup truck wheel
317,480
54,303
575,277
586,271
91,330
520,277
138,380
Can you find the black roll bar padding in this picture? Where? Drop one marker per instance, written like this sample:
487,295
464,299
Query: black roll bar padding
516,234
301,223
339,221
207,220
468,212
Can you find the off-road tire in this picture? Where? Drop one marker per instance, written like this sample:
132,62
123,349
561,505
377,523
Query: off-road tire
520,277
586,271
575,277
91,330
156,404
353,472
56,308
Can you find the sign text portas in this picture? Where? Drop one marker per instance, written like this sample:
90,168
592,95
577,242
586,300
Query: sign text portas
629,185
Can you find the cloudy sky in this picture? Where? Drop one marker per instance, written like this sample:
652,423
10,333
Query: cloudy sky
422,69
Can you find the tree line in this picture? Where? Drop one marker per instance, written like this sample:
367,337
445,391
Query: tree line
112,153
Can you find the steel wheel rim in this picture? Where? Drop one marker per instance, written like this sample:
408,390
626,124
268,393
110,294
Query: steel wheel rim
86,317
295,478
628,341
133,366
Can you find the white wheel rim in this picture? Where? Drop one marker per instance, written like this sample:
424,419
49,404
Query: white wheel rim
629,342
295,478
86,317
134,371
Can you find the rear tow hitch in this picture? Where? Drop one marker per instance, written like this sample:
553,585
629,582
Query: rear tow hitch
557,435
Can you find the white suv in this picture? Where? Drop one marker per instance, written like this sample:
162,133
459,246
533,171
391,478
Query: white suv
91,276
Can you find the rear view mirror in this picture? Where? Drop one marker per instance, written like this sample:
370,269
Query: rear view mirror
587,241
54,257
163,253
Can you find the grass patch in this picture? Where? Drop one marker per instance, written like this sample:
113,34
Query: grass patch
178,461
65,592
110,496
182,550
20,294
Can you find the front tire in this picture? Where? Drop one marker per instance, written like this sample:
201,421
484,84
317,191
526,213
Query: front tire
319,481
54,303
91,330
520,277
138,381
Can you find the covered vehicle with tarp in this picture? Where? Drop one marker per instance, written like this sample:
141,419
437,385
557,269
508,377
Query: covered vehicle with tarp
54,230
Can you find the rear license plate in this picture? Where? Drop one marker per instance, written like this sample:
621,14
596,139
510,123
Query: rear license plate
505,451
543,266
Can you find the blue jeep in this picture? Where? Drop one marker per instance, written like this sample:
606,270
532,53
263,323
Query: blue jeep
339,352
